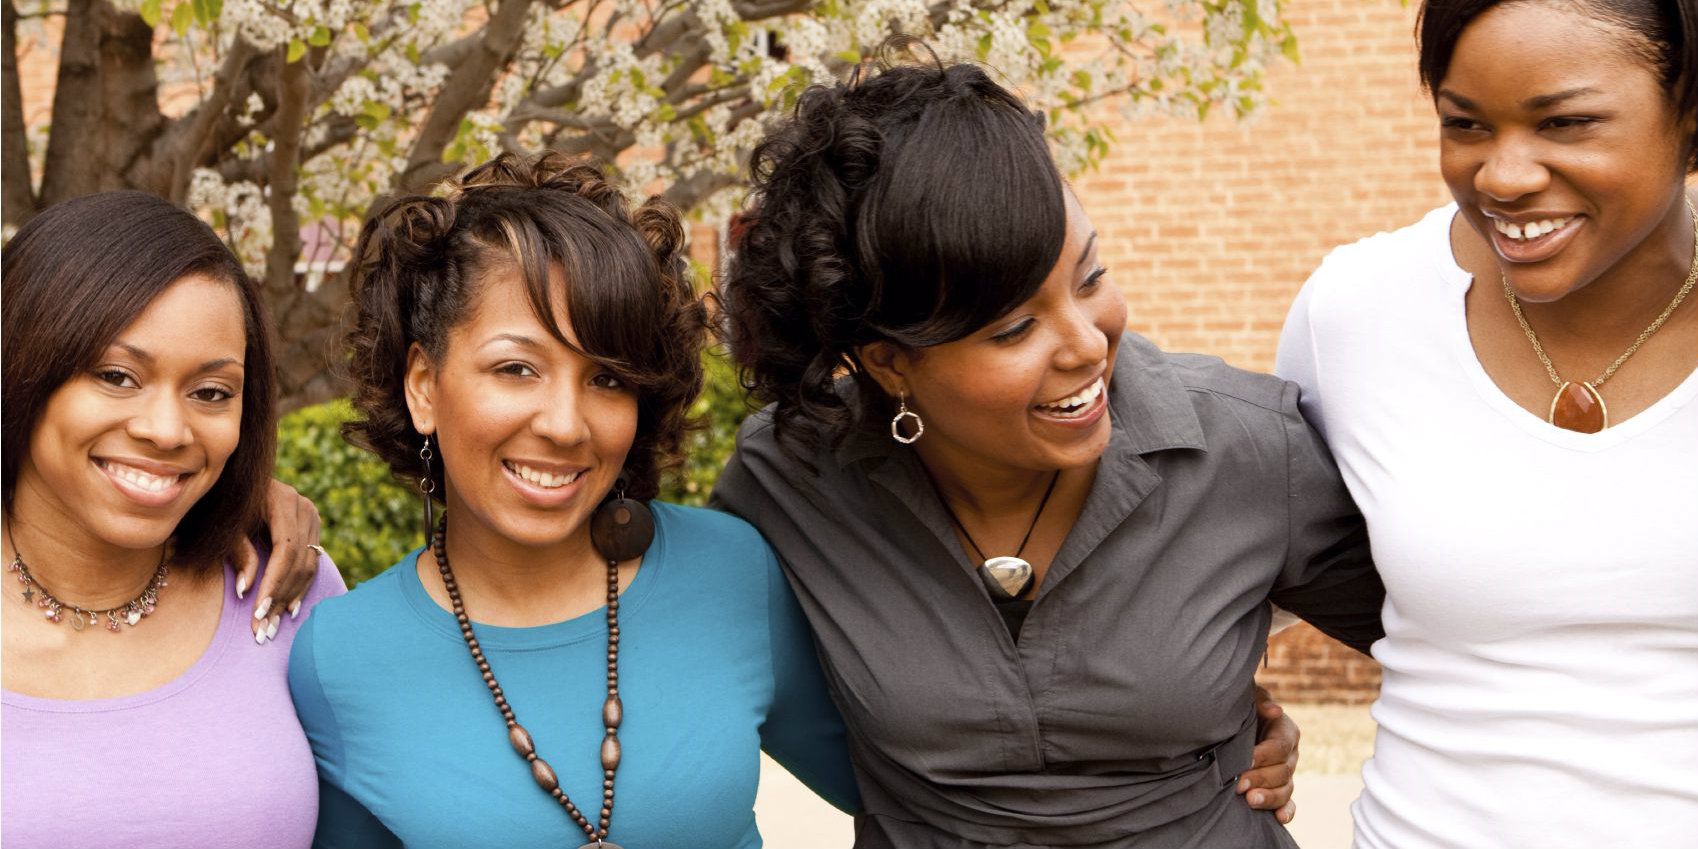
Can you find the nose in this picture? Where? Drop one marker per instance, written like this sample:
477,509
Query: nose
560,418
1511,171
161,421
1083,343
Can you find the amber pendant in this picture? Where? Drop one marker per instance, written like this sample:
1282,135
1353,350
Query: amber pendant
1578,407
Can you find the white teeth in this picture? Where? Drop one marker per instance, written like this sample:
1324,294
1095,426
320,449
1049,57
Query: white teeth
1532,229
546,480
137,478
1075,404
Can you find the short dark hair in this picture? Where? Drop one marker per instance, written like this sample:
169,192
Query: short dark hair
913,204
1666,34
420,261
78,274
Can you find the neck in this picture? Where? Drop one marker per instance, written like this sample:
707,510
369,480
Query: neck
507,583
980,489
77,568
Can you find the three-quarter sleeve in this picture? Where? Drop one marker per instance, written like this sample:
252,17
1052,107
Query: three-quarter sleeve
1329,577
343,823
803,730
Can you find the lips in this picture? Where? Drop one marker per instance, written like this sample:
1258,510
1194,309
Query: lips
1082,409
1510,236
146,483
544,484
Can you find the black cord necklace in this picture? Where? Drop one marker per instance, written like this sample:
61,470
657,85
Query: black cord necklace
1007,578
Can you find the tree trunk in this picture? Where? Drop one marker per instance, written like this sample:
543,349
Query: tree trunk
17,196
70,168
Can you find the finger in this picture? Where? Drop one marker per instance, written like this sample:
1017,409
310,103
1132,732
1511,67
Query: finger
1266,707
1287,813
1271,777
247,565
1269,798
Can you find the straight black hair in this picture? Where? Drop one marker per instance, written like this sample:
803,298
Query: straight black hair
1664,32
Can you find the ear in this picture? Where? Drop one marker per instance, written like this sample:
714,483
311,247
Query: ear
420,388
887,363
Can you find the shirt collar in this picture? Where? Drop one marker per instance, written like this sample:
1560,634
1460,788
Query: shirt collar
1150,409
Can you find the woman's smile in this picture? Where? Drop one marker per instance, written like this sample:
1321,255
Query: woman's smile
544,484
147,483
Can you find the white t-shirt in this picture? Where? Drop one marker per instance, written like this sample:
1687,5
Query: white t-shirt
1541,649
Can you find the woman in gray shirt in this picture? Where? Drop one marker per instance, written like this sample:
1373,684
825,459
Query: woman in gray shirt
1037,552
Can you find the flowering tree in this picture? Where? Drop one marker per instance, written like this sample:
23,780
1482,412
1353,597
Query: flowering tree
284,122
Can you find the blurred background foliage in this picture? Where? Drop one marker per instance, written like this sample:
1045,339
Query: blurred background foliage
371,519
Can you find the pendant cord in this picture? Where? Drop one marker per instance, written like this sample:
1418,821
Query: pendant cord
1044,502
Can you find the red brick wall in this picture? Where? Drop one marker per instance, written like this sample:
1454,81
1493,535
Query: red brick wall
1211,227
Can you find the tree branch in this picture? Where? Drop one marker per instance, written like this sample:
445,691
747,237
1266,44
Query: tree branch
189,139
130,120
468,88
293,86
17,197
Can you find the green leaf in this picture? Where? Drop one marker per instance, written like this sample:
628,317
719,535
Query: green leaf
362,32
297,49
412,51
380,111
1288,46
182,18
666,113
152,12
852,57
320,36
1082,80
985,42
367,122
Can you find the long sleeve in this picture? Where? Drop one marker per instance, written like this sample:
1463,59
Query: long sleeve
343,823
803,730
1329,577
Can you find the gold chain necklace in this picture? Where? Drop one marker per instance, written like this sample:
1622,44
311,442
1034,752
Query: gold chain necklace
1579,406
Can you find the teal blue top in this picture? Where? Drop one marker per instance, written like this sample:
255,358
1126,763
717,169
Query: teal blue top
715,664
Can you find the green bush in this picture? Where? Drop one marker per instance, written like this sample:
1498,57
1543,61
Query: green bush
370,520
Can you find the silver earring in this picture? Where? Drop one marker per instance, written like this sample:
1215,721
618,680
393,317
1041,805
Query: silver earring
427,488
902,412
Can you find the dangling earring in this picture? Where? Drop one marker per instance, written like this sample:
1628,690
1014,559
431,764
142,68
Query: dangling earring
621,528
902,412
427,487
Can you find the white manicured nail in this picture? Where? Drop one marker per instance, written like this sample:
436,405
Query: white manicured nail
241,585
295,609
262,608
271,628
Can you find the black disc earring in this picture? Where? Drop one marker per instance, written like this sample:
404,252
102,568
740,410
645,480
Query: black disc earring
621,528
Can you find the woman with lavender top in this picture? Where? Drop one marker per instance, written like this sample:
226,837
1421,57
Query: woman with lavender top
144,701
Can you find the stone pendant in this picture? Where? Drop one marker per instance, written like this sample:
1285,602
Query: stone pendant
1578,407
600,844
77,620
1006,577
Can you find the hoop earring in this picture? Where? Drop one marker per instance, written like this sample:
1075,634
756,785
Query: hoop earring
427,488
902,412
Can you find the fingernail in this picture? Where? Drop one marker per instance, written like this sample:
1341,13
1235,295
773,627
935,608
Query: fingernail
260,637
295,609
241,585
262,608
271,629
1243,784
1257,798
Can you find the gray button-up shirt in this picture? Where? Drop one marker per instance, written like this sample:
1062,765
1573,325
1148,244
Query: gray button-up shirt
1123,715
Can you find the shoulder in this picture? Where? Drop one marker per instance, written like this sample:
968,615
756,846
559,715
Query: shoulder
1212,383
699,526
380,596
1365,271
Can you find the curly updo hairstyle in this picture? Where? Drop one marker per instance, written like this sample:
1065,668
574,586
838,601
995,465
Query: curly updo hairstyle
420,262
913,204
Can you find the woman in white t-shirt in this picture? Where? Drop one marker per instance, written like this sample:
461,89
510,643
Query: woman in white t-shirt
1511,389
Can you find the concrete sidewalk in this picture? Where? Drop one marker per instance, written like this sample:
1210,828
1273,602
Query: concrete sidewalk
1336,739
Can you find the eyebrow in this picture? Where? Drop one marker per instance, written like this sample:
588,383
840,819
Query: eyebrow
1543,101
1084,254
515,338
148,359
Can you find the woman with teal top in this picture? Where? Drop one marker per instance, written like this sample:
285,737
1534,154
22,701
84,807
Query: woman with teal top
566,663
